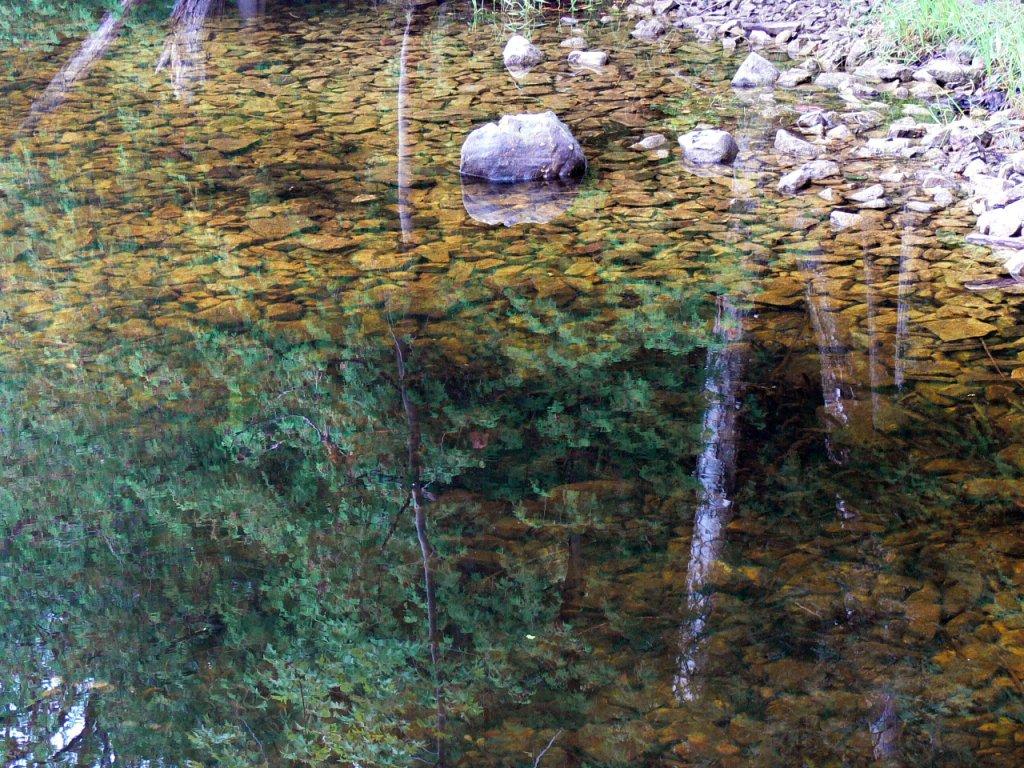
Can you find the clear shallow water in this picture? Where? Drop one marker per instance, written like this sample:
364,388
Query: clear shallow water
708,484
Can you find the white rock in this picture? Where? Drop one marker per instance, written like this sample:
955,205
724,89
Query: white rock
654,141
591,59
791,78
943,197
840,133
845,219
759,38
816,170
520,53
788,144
648,30
755,72
708,147
575,43
1002,222
948,73
835,80
873,192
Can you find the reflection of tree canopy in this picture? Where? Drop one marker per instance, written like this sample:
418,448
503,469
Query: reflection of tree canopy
210,543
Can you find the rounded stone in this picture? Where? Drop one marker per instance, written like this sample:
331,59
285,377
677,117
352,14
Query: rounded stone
524,147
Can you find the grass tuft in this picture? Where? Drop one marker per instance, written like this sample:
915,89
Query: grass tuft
994,29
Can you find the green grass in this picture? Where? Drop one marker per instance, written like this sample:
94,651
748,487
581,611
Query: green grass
994,29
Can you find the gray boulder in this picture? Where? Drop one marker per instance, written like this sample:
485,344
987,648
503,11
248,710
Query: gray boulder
708,147
755,72
525,147
520,53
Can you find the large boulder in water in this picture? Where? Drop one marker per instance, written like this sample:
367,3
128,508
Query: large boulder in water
526,147
520,53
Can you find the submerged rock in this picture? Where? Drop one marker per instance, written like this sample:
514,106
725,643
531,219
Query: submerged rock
708,147
575,43
525,147
648,29
520,53
531,202
805,174
755,72
592,59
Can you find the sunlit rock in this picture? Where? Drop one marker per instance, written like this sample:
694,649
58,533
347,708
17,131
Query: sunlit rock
755,72
591,59
709,147
521,54
525,147
531,202
787,143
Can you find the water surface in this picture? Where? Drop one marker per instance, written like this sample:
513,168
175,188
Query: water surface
706,483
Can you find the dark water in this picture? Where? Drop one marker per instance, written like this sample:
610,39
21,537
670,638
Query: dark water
704,483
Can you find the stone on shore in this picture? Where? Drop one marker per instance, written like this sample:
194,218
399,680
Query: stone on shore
1002,222
709,147
524,147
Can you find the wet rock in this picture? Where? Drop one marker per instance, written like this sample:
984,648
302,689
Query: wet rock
923,612
755,72
648,30
533,202
525,147
805,174
957,329
521,54
841,220
654,141
788,144
708,147
574,43
1002,222
591,59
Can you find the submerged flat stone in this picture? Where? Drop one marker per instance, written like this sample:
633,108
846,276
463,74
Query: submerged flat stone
957,329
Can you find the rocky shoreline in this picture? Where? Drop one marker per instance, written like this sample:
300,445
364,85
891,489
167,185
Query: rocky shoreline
974,155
